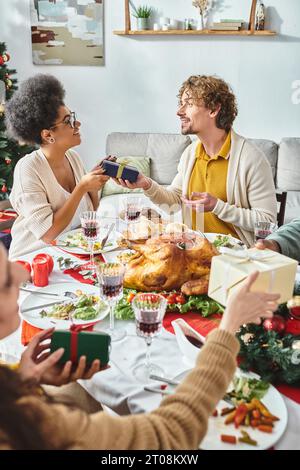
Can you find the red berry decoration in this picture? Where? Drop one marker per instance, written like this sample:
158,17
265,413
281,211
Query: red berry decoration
8,161
4,189
277,324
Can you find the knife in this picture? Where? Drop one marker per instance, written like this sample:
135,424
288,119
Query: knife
29,309
163,379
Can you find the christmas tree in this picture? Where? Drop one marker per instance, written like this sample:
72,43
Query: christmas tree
10,150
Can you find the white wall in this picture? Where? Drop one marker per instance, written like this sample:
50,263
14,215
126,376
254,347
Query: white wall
136,89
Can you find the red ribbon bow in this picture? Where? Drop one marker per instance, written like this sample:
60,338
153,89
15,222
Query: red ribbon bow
74,330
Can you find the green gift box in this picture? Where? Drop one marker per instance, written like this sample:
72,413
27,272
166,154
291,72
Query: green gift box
76,343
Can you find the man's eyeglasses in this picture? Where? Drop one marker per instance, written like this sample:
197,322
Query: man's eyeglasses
69,120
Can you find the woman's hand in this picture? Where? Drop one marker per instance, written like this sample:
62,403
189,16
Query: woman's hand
142,182
94,180
245,306
39,365
111,158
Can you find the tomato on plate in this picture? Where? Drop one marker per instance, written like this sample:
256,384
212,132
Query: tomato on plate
180,299
171,299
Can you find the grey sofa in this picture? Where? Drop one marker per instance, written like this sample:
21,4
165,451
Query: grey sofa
165,151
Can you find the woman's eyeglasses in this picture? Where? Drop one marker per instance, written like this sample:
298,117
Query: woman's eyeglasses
69,120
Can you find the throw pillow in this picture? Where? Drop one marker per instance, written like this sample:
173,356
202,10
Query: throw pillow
142,164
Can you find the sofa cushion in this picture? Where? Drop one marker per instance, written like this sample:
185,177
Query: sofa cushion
270,149
142,164
164,151
292,210
288,168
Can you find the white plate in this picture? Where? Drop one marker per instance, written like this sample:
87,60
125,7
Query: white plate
111,243
33,317
212,236
272,400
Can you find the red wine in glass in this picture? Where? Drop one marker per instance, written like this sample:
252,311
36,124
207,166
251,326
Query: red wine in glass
132,214
147,329
147,325
262,234
90,230
111,291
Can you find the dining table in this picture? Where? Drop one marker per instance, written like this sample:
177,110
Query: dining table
116,388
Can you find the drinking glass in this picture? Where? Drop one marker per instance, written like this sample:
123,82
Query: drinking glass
263,229
111,276
90,226
149,310
132,209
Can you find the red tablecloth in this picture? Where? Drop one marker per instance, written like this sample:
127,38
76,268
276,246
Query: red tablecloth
196,321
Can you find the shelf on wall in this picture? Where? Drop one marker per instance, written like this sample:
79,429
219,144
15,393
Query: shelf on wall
203,32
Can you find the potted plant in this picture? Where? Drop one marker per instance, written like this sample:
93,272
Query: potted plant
142,14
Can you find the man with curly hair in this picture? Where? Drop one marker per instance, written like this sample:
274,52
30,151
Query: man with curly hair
51,187
221,172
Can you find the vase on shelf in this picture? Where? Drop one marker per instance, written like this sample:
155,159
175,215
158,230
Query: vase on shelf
260,17
142,24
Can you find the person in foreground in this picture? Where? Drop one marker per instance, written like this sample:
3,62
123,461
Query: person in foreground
285,240
221,170
51,187
29,420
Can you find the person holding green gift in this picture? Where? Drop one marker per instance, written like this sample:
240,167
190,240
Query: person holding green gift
221,171
285,240
33,421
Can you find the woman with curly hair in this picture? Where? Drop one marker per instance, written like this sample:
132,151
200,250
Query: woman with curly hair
51,187
220,173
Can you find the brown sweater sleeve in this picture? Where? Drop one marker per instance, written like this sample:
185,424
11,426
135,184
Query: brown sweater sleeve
179,423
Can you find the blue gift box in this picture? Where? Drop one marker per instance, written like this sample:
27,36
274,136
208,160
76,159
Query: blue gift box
119,170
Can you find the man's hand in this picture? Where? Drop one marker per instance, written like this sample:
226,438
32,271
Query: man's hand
142,182
268,244
39,365
201,202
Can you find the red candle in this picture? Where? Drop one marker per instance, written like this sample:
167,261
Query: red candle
40,272
48,258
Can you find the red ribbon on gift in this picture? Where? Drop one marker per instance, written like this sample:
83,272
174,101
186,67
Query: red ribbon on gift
75,329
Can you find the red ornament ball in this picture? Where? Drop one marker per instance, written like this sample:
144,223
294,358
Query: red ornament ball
1,60
4,189
8,161
276,323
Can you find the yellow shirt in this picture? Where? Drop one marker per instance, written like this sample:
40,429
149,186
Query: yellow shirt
209,175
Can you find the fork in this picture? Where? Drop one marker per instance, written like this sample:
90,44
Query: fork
68,294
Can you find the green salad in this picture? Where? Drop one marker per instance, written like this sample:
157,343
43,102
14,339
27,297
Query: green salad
177,302
245,388
86,307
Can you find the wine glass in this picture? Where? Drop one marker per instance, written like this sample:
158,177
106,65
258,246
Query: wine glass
149,310
90,226
132,209
111,277
263,229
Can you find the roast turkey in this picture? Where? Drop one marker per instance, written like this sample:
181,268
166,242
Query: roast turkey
171,262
